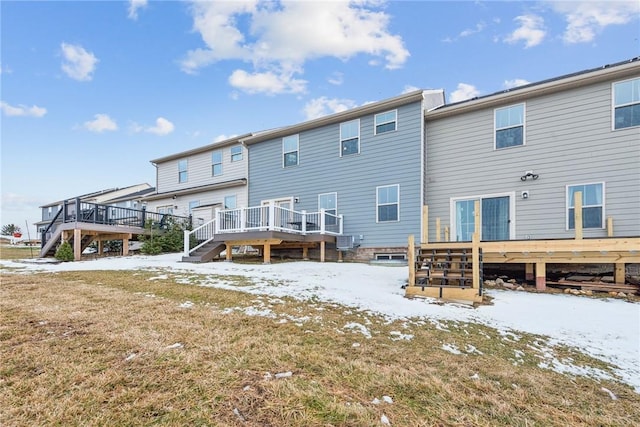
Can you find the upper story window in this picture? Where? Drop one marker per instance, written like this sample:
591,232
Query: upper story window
290,150
350,137
236,153
388,203
626,104
386,122
509,126
182,171
216,163
592,205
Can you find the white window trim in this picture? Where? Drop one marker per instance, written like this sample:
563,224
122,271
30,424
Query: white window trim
341,139
512,212
566,205
378,204
524,126
613,106
186,171
376,124
335,194
221,162
267,202
241,154
297,150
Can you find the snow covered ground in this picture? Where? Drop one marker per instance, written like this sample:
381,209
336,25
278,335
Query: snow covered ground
607,329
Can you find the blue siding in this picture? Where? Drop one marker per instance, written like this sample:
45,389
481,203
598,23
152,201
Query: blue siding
384,159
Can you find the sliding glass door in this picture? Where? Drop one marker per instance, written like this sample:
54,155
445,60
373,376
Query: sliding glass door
495,218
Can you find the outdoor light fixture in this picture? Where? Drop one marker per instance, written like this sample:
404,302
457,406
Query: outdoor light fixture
529,174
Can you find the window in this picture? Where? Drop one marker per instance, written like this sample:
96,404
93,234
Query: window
388,203
216,163
386,122
626,104
509,126
230,202
329,202
193,204
165,209
496,217
290,148
592,205
182,171
236,153
350,138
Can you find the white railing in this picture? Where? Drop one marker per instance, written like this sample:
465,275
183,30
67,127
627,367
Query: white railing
264,218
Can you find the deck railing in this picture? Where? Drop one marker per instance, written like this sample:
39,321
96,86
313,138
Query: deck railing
263,218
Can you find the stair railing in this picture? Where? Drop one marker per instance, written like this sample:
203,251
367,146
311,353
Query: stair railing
203,235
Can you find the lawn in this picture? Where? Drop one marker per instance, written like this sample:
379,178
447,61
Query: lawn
138,348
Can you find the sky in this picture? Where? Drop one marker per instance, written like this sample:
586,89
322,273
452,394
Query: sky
91,91
607,329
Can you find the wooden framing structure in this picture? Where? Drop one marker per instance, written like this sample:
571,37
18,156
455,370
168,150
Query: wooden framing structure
81,235
534,254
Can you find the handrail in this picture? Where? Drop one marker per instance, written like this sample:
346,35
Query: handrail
203,234
43,235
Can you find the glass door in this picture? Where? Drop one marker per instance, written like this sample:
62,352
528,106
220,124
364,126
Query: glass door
495,218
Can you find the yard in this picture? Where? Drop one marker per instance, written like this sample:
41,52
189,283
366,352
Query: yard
147,340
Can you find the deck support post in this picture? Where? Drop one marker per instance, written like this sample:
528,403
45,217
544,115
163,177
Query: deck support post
411,260
77,244
228,252
610,226
577,214
267,253
305,253
619,273
541,276
446,233
528,272
323,246
424,239
100,247
125,245
438,230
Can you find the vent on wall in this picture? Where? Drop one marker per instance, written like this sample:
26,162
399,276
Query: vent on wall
344,243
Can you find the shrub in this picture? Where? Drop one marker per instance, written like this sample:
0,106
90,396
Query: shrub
64,252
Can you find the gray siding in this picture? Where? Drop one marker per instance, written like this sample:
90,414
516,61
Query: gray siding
569,140
199,171
385,159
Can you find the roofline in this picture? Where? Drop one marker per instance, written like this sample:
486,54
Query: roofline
192,190
570,81
92,194
337,117
198,150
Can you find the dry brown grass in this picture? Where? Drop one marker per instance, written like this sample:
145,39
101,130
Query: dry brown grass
91,348
18,252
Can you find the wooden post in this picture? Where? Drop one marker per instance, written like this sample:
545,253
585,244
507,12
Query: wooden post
475,259
267,253
305,253
339,256
577,214
425,225
438,230
77,244
528,272
619,273
476,218
411,255
100,247
446,233
125,245
610,226
541,276
323,246
229,252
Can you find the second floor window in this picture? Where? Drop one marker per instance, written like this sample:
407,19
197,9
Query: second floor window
182,171
290,148
626,104
386,122
216,163
236,153
509,126
350,137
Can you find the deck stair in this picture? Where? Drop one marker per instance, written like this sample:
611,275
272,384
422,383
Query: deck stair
445,268
206,253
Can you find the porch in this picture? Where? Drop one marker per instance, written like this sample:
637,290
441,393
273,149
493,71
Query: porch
265,227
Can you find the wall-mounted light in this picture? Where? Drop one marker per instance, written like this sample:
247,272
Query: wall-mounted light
175,197
529,174
525,194
296,200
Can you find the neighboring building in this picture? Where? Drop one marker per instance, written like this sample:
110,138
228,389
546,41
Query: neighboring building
524,153
366,164
196,182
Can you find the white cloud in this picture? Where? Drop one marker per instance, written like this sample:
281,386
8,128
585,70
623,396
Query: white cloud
409,88
336,78
586,18
223,137
277,39
471,31
531,31
463,92
508,84
267,82
22,110
162,127
78,63
101,123
134,6
324,106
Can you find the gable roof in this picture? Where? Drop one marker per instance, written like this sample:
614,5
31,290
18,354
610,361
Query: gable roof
619,70
203,149
117,194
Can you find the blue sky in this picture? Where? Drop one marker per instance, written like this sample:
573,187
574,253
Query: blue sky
91,91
